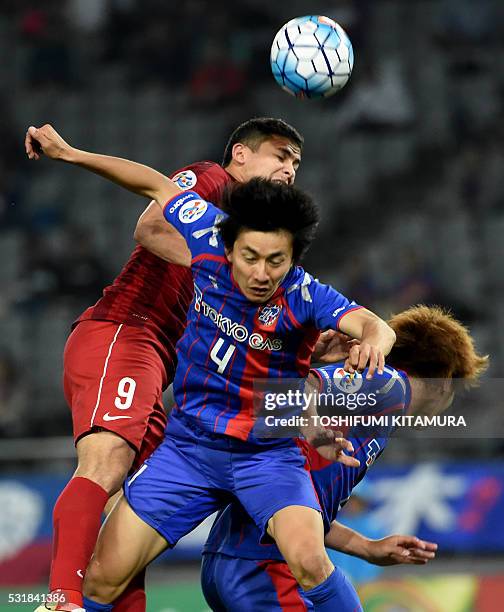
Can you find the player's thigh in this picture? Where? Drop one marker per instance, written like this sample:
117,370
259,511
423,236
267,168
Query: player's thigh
271,480
125,545
113,380
170,491
243,585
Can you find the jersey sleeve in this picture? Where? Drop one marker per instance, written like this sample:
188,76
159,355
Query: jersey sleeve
196,219
384,394
207,178
328,305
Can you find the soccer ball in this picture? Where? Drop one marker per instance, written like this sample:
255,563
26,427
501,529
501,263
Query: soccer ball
311,57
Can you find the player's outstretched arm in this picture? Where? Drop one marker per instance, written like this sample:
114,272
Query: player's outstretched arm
135,177
392,550
376,339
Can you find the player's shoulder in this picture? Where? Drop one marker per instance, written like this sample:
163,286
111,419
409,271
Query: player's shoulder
300,283
335,379
297,284
188,176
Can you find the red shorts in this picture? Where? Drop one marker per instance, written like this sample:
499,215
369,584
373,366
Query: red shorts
113,379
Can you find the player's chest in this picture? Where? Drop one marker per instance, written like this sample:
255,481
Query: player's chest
218,307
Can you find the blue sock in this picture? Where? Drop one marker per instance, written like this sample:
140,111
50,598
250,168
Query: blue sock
93,606
335,593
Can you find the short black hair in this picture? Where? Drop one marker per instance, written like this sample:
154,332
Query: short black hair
258,129
266,206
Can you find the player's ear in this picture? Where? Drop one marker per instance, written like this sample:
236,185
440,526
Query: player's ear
240,152
229,254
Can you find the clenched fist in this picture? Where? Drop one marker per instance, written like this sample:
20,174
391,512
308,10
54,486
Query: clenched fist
46,140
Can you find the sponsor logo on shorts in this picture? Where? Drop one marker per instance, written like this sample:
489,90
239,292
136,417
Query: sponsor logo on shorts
108,417
185,179
192,211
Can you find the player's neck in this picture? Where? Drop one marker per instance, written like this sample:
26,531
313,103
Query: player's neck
235,172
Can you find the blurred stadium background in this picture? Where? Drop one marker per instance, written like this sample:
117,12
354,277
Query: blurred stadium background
408,166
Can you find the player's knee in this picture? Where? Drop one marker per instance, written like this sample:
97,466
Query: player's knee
310,567
110,478
101,587
106,460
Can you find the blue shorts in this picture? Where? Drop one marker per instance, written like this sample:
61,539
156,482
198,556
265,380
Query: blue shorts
241,585
193,473
231,584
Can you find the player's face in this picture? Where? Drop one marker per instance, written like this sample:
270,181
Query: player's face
439,397
446,397
260,261
275,159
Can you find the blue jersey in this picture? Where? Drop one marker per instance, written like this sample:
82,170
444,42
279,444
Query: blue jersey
235,534
230,342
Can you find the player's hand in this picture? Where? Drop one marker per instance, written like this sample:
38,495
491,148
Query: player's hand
331,445
400,549
46,140
332,346
365,355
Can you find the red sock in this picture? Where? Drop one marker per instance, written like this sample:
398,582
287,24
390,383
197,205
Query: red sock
76,523
133,599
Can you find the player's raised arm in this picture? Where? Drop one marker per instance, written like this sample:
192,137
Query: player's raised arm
135,177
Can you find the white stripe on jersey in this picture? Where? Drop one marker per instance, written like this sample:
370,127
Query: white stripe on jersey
395,377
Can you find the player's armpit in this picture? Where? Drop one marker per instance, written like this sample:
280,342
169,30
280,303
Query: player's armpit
160,238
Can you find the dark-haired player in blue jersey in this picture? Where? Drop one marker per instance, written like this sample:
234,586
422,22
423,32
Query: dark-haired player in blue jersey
242,574
255,314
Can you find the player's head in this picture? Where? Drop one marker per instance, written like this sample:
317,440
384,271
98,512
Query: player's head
432,344
264,147
269,228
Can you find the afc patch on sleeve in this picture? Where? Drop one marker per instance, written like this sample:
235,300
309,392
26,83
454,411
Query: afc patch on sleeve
186,179
192,211
346,382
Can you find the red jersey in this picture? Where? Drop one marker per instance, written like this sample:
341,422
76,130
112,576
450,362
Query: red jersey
149,291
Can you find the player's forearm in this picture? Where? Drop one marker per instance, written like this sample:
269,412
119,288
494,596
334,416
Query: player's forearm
379,334
348,541
135,177
367,327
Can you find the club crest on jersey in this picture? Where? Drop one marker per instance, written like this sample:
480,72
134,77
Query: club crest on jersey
186,179
346,382
192,210
269,314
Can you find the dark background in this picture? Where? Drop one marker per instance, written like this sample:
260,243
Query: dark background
406,162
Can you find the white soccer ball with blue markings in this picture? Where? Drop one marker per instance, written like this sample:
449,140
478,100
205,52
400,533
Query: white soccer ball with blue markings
312,57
